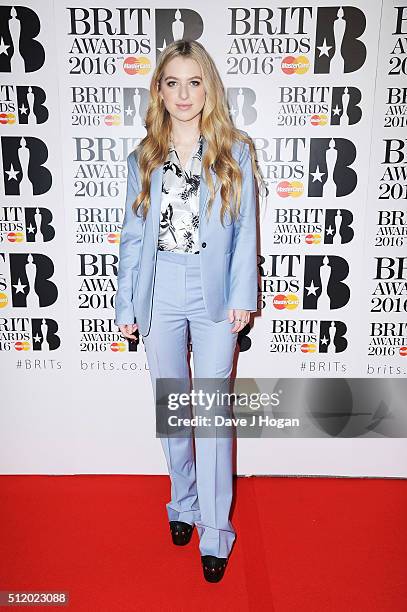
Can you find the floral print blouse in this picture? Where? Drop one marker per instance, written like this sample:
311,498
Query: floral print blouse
179,220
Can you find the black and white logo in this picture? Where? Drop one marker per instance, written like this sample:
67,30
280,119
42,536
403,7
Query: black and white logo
24,172
20,51
323,282
338,48
330,174
30,275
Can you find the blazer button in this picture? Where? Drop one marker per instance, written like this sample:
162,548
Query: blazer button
204,244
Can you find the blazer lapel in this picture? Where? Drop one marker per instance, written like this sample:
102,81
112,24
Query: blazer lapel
155,193
155,199
203,188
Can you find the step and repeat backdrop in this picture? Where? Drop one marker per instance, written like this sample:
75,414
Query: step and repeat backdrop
321,89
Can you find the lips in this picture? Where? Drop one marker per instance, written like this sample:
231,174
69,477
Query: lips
184,106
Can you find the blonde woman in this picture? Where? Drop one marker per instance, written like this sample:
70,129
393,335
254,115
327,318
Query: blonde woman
188,271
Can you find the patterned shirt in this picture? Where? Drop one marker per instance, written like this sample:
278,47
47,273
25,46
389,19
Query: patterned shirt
179,220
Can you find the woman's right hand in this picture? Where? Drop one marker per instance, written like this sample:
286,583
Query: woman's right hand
128,330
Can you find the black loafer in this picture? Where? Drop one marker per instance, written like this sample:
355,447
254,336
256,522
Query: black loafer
213,567
181,532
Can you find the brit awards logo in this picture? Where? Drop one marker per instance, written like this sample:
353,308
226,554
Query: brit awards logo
174,24
329,167
27,282
338,45
308,336
24,170
23,334
109,41
263,38
98,225
398,51
388,339
242,106
25,224
395,114
100,165
391,228
393,181
23,105
390,291
97,280
315,282
318,106
110,107
330,172
396,55
324,285
102,335
252,48
312,226
20,51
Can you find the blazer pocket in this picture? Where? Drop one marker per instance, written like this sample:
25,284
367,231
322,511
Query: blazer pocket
226,275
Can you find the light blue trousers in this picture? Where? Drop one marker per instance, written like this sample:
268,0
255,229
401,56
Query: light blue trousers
201,486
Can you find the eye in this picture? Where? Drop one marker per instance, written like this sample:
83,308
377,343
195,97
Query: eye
197,83
169,83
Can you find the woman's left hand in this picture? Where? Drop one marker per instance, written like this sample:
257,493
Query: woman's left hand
239,317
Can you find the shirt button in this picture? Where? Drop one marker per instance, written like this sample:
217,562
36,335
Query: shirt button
204,244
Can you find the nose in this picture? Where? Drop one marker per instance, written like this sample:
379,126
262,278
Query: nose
183,92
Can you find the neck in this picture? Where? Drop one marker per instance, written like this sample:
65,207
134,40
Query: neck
184,135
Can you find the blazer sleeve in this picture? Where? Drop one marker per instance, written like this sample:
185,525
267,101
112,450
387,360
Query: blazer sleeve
243,266
129,248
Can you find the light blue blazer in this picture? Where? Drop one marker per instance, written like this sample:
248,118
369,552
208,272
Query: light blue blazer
228,255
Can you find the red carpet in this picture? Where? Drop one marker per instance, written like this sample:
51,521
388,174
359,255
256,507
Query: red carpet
303,544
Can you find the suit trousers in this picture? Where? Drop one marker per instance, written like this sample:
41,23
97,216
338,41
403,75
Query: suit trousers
201,483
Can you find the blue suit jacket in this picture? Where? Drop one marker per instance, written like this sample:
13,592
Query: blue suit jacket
228,255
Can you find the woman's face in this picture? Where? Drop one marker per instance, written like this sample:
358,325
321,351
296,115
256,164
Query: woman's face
182,89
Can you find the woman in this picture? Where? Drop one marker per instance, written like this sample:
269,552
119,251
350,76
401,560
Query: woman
188,270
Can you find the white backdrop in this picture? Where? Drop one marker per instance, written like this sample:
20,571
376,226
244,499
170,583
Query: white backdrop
320,88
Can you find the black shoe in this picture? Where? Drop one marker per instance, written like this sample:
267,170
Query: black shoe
181,532
213,567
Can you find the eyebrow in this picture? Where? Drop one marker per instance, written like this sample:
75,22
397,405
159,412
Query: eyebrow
175,78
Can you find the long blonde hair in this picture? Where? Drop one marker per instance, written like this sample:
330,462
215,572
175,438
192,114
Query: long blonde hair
215,126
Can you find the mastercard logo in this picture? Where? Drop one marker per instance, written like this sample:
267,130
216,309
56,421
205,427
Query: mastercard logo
295,65
117,347
313,239
112,120
319,119
285,189
7,118
3,300
113,238
403,351
308,348
137,65
22,345
15,237
285,302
